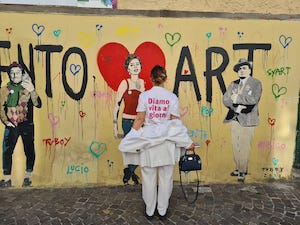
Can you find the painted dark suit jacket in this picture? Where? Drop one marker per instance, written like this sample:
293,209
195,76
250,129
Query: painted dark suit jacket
249,97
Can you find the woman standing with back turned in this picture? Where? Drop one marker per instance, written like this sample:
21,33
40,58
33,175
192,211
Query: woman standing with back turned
157,144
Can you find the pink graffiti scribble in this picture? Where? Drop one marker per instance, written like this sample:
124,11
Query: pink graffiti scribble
54,120
223,143
183,111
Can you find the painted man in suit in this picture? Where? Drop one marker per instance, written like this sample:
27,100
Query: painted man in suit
241,98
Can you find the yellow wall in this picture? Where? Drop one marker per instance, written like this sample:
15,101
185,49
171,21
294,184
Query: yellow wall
229,6
84,128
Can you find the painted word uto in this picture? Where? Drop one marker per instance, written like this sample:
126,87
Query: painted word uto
56,141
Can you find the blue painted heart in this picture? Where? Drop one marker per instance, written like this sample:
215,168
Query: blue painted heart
75,69
38,29
100,149
56,33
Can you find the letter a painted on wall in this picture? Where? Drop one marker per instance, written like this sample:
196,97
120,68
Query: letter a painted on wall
185,53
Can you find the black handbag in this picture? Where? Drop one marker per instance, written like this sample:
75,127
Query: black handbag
187,163
190,162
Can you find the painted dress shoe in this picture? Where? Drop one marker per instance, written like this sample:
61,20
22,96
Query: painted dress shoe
5,184
27,182
241,177
234,173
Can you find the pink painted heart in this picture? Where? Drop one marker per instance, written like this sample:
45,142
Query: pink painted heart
111,58
183,111
54,120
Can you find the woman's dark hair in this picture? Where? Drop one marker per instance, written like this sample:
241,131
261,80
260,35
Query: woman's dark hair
158,75
129,58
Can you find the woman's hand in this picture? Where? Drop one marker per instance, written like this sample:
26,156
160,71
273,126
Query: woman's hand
192,146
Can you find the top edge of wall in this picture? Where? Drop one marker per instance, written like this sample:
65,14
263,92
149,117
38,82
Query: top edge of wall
145,13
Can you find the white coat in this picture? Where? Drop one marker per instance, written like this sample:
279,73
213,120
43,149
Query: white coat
156,144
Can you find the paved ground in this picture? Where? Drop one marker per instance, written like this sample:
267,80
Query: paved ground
256,203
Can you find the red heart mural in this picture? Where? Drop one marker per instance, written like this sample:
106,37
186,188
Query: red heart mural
111,58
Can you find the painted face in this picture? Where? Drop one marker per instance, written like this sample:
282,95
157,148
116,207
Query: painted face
134,67
15,75
244,71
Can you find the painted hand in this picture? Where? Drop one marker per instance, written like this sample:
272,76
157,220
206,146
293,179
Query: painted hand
10,124
240,108
234,97
116,132
27,84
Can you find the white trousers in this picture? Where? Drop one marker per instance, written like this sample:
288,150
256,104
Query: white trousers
241,145
160,195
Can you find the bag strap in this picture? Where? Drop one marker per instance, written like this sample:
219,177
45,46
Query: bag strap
189,150
185,195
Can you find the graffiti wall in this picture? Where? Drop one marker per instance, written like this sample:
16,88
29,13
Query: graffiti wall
77,64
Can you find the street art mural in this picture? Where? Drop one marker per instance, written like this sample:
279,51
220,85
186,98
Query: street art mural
78,67
138,66
242,98
17,100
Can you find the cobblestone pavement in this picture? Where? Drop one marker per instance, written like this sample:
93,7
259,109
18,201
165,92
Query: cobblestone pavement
255,203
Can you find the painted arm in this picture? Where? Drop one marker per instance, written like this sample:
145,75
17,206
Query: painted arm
227,100
36,100
251,95
3,116
121,89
